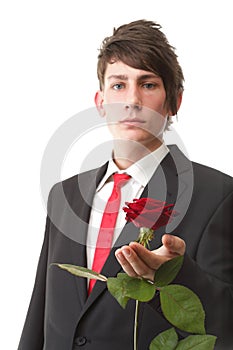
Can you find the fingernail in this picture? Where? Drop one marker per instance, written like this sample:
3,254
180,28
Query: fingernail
169,241
119,256
126,253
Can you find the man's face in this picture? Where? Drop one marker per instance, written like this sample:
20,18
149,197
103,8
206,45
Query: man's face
133,101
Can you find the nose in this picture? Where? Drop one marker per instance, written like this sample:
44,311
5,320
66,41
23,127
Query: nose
133,100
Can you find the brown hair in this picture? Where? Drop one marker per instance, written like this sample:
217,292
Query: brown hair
142,45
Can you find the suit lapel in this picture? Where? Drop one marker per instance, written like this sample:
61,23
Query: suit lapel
184,171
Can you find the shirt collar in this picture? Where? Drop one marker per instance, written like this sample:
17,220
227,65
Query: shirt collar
140,171
143,170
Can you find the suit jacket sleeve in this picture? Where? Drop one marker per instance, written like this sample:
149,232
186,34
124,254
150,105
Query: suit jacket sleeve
210,274
33,332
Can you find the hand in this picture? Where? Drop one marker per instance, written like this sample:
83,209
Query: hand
138,261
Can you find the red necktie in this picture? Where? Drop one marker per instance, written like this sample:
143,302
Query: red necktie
105,236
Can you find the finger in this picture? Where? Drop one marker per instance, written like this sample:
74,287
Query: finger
164,251
124,263
150,258
174,244
133,265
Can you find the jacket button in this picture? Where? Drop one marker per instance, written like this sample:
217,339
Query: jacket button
80,341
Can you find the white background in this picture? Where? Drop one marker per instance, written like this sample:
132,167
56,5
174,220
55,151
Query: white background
48,73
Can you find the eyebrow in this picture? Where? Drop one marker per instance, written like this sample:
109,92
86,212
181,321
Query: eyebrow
148,76
140,78
118,76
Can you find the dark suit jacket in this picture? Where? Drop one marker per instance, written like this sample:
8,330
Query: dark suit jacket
61,317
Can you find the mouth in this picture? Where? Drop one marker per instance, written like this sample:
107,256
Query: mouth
132,121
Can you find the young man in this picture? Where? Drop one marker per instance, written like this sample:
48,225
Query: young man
141,85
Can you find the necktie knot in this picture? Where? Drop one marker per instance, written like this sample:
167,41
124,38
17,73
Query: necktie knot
120,179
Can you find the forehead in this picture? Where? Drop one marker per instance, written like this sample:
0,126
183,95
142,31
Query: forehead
119,69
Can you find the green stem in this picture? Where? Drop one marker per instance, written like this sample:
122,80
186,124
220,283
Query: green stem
145,236
136,324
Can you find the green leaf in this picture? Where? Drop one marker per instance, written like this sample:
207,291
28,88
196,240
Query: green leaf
197,342
182,308
81,271
166,340
117,290
139,289
168,271
124,287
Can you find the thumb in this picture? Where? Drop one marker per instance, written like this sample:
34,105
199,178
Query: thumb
174,244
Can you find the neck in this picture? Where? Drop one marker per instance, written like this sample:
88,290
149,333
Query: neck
128,152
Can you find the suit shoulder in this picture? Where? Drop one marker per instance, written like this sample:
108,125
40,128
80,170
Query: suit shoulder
78,180
204,176
70,182
211,178
68,189
205,170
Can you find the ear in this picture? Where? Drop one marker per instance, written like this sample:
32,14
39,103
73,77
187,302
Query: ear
99,103
179,100
178,103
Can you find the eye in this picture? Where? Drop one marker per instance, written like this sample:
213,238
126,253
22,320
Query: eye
149,86
118,86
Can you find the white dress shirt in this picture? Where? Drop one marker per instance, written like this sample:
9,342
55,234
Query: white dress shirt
141,173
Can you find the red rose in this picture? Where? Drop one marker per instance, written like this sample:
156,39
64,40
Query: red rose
148,212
